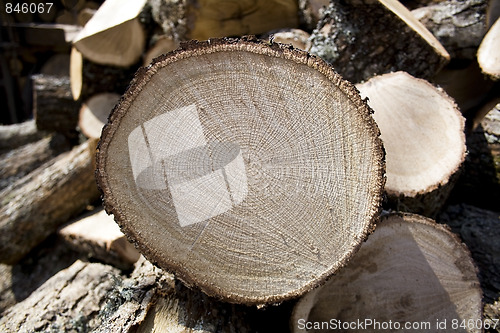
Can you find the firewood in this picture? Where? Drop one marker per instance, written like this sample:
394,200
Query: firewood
36,205
411,270
203,19
364,38
161,45
17,135
53,105
57,65
17,163
97,235
459,25
113,36
424,139
94,113
488,55
67,302
311,11
492,12
251,170
295,37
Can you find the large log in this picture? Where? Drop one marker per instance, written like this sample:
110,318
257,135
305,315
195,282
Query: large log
251,170
364,38
36,205
410,271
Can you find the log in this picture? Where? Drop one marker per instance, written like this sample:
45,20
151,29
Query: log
458,25
98,236
36,205
114,36
424,139
94,113
203,19
411,270
19,162
297,175
67,302
364,38
53,106
17,135
310,12
161,44
295,37
487,54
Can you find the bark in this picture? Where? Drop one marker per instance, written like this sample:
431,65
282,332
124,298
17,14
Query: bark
36,205
13,136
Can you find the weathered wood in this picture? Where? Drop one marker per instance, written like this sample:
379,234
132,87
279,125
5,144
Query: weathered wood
459,25
17,135
94,113
364,38
424,139
97,235
19,162
296,181
410,270
53,106
295,37
488,56
68,302
36,205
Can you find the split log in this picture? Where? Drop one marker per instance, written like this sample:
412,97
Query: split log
257,193
488,55
94,114
459,25
36,205
411,270
53,106
97,235
424,139
68,302
19,162
17,135
114,36
364,38
203,19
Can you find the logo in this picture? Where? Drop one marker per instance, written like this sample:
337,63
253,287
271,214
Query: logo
205,178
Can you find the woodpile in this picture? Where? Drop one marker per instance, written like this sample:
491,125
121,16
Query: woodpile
339,164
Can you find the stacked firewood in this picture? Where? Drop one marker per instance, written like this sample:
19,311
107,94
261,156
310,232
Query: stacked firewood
428,69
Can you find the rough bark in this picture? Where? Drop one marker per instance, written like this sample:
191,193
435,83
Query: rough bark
364,38
295,37
236,241
36,205
458,25
19,162
17,135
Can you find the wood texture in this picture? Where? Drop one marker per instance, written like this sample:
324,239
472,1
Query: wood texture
487,55
296,181
423,135
94,113
411,269
16,135
364,38
36,205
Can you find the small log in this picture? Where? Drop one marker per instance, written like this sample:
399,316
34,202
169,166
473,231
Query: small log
424,139
410,270
94,113
17,135
36,205
459,25
114,36
97,235
19,162
68,302
264,182
364,38
488,55
53,106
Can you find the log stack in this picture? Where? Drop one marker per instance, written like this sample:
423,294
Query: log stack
288,166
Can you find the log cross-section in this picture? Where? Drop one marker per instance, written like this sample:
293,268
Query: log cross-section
250,169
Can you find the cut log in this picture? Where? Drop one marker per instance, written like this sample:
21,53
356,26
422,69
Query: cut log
488,55
17,135
203,19
162,44
459,25
19,162
295,37
97,235
68,302
94,113
364,38
53,106
36,205
113,36
251,170
411,270
423,135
